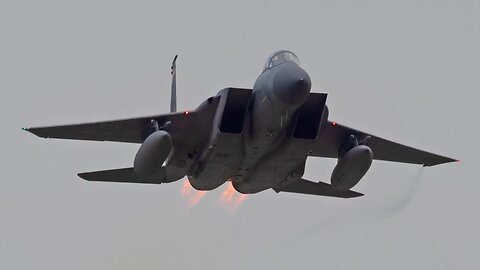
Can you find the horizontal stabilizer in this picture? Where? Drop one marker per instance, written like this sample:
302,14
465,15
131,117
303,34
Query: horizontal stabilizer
125,175
303,186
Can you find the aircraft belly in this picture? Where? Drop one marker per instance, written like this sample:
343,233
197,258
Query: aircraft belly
223,153
268,124
266,177
280,167
272,156
219,162
265,155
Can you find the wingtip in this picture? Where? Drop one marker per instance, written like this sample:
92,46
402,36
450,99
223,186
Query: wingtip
84,176
33,131
443,161
27,129
356,194
349,194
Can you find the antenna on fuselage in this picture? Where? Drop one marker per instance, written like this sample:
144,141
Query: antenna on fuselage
173,97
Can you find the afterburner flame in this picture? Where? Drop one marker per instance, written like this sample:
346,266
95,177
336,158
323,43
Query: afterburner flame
231,199
186,188
240,199
193,196
228,194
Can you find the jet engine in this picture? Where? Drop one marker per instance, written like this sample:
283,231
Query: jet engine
351,167
152,153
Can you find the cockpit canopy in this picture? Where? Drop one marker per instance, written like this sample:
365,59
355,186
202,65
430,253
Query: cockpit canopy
281,57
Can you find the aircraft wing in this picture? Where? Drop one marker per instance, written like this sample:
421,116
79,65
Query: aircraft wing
127,130
334,135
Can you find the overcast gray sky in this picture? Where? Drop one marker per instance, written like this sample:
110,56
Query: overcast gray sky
404,70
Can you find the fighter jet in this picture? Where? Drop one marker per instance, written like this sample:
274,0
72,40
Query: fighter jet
258,139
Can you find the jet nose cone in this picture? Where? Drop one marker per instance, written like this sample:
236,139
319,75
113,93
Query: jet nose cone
302,84
291,84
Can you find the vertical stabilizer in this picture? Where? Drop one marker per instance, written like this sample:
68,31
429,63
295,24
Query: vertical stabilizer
173,98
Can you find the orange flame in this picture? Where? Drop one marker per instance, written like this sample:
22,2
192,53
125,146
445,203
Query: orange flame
228,194
186,188
193,196
240,199
231,199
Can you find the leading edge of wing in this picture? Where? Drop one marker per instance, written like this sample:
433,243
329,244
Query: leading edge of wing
125,130
334,135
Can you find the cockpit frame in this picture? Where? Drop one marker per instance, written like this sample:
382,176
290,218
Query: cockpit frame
280,57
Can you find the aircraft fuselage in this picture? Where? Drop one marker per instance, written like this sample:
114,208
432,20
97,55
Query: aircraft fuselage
277,94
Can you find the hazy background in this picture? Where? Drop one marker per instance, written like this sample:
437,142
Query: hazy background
406,71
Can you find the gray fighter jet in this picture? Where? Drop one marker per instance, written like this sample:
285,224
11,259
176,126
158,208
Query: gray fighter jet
256,138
